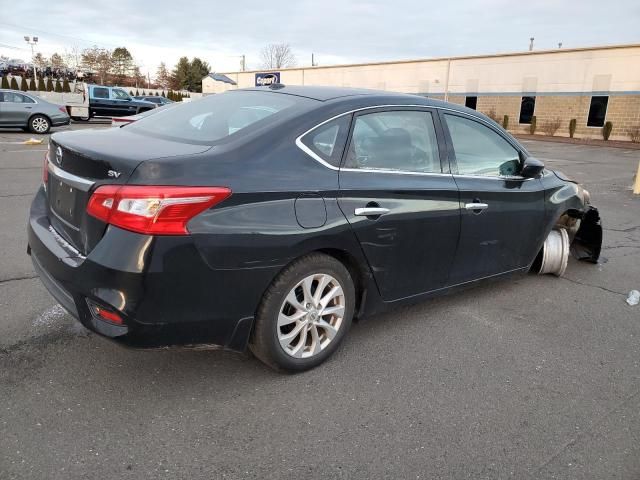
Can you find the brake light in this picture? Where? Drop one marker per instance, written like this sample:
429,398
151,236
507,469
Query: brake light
63,110
153,210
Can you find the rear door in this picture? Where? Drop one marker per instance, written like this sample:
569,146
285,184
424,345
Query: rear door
502,213
401,202
99,101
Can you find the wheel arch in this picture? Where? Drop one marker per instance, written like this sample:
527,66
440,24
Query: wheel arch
37,114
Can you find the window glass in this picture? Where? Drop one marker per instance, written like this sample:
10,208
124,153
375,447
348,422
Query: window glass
218,116
597,111
99,92
471,102
327,141
401,140
527,107
479,150
120,94
11,97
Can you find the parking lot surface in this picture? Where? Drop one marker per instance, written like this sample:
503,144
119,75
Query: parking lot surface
537,377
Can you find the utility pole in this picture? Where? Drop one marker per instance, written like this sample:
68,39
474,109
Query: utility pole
313,62
559,44
531,44
32,43
243,62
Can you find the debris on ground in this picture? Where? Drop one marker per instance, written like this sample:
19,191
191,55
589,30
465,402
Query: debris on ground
633,298
33,141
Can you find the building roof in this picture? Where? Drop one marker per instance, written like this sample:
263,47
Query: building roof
436,59
220,77
324,93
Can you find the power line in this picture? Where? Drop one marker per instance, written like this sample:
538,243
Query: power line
21,28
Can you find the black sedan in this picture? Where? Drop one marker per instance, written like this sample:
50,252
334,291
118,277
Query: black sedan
269,218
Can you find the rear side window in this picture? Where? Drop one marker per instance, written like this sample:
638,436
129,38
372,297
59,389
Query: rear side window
217,116
479,150
401,140
327,141
100,92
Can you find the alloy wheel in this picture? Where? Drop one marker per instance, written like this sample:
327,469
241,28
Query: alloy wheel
40,124
311,315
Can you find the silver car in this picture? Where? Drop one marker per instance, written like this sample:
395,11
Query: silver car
29,112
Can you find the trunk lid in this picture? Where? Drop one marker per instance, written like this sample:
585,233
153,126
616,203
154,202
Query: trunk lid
80,161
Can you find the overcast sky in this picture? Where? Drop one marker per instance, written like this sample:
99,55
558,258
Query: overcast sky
336,31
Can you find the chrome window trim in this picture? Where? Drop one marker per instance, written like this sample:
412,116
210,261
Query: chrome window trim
317,158
78,182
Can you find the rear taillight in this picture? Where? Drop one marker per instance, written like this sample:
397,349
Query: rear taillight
63,110
153,210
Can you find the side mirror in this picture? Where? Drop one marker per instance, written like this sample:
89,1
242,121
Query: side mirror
532,167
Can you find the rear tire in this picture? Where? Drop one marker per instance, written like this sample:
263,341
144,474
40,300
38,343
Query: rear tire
304,314
39,124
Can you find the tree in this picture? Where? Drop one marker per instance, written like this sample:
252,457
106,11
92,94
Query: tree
277,55
41,87
49,84
5,83
97,60
32,84
58,88
180,74
138,77
14,83
65,86
39,61
23,84
57,61
122,63
162,76
197,71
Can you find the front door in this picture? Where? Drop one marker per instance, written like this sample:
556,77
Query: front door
502,213
401,203
15,109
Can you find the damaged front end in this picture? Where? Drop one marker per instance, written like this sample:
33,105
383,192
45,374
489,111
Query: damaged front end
587,241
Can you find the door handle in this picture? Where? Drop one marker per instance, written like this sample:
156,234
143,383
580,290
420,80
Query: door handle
476,206
371,211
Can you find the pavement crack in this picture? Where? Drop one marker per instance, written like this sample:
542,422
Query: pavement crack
15,279
17,195
623,230
591,285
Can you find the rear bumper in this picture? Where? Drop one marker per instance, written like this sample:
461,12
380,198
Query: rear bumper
58,122
164,291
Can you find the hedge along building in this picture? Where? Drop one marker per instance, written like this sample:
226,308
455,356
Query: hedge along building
591,85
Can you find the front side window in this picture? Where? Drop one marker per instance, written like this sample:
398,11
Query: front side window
120,94
218,116
327,141
479,150
400,140
99,92
527,107
597,111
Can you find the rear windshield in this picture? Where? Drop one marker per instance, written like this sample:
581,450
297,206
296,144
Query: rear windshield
216,117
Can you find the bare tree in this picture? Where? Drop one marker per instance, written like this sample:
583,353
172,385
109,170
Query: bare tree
277,55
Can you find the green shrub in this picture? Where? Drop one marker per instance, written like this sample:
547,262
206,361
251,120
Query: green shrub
634,133
14,83
4,83
41,87
137,94
606,130
131,92
505,122
49,85
157,94
532,127
23,84
65,86
58,88
572,127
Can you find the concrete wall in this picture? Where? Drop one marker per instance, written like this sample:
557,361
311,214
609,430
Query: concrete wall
561,80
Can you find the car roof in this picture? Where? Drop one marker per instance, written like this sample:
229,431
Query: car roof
360,95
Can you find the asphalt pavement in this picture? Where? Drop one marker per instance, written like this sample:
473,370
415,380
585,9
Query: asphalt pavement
532,378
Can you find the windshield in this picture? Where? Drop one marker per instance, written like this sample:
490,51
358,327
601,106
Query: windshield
218,116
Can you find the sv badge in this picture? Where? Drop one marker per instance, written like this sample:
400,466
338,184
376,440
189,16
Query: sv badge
113,174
